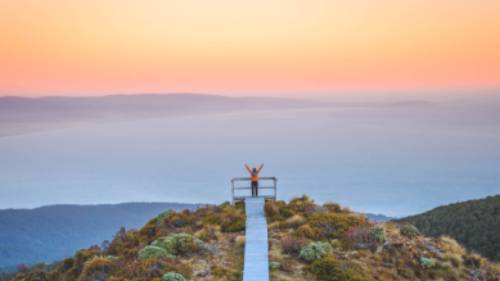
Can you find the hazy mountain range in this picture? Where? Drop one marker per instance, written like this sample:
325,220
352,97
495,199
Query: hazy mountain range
52,232
24,114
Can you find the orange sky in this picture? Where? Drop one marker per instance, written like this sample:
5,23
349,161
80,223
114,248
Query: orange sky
56,47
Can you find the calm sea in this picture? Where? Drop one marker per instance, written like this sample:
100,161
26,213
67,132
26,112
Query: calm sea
391,160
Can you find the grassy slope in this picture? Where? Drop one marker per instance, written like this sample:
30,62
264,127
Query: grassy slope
358,253
353,249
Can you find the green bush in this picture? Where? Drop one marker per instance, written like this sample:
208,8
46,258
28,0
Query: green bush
173,276
178,244
315,250
409,230
153,252
426,262
377,234
330,269
274,265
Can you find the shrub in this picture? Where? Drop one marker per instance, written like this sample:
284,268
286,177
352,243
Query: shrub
153,252
334,225
426,262
274,265
225,273
292,245
161,217
75,268
474,260
178,220
240,240
357,237
232,222
178,244
272,210
125,243
207,233
293,222
450,245
302,205
409,231
306,231
333,207
315,250
444,272
336,244
97,268
330,269
377,234
363,237
287,265
173,276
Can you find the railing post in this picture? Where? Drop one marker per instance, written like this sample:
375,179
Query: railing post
273,187
232,190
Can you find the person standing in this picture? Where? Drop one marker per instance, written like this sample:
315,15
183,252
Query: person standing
254,178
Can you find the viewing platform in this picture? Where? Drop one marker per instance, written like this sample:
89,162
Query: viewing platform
240,191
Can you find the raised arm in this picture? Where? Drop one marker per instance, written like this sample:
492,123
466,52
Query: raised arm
248,169
260,167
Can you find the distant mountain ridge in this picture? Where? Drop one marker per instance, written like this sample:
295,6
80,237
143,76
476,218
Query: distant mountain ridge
53,232
378,217
473,223
19,115
25,114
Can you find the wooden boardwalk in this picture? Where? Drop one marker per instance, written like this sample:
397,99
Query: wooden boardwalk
256,263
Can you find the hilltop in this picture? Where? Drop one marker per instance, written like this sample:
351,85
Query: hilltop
474,223
307,242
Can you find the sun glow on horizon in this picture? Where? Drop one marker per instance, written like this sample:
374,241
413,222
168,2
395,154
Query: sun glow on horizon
222,46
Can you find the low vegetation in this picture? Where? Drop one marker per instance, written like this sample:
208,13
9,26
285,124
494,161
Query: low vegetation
331,243
475,224
205,244
307,242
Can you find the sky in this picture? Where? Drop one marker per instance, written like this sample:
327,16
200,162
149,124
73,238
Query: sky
95,47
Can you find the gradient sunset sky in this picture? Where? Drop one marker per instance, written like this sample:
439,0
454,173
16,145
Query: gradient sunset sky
95,47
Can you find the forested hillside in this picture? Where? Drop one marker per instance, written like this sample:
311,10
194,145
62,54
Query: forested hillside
474,223
53,232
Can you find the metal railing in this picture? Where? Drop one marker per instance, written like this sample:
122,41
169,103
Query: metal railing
269,192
